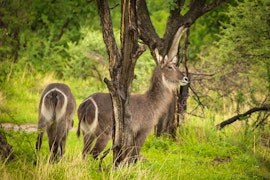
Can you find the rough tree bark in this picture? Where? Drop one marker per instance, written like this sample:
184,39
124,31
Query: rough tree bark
175,20
121,74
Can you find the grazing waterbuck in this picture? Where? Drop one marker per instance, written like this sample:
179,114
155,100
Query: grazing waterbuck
96,117
56,111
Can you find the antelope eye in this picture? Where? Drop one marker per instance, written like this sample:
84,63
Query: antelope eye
170,67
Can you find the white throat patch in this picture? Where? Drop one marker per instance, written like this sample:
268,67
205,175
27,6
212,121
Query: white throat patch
168,84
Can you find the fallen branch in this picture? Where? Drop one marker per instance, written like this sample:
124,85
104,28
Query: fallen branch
239,116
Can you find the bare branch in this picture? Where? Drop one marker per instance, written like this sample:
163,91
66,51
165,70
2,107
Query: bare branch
174,22
146,30
261,120
108,35
115,6
213,5
65,26
198,98
199,8
141,49
202,74
239,116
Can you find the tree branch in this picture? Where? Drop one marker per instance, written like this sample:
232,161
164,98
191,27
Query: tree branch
198,98
199,8
122,74
174,22
146,30
65,25
213,5
239,116
108,34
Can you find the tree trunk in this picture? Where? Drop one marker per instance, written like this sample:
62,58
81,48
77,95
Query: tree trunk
182,104
123,136
122,74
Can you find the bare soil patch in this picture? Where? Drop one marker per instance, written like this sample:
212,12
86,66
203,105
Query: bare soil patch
21,127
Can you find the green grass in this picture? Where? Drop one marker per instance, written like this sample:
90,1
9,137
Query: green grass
200,152
19,98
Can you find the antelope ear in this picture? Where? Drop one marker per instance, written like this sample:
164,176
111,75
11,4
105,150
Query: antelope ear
166,60
158,56
174,60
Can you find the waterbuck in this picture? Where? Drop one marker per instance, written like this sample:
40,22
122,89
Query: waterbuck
56,111
96,117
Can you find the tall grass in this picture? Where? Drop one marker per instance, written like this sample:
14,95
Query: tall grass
20,89
200,152
19,97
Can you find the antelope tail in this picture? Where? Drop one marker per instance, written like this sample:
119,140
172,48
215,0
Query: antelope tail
79,129
79,126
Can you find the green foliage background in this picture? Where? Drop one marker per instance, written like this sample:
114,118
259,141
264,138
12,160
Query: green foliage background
61,41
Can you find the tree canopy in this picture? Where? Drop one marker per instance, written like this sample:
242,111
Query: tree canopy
238,61
64,37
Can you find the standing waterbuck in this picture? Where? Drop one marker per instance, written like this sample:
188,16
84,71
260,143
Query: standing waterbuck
96,117
56,111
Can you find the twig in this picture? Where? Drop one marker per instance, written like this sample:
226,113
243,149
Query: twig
196,95
260,121
114,6
202,74
65,25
